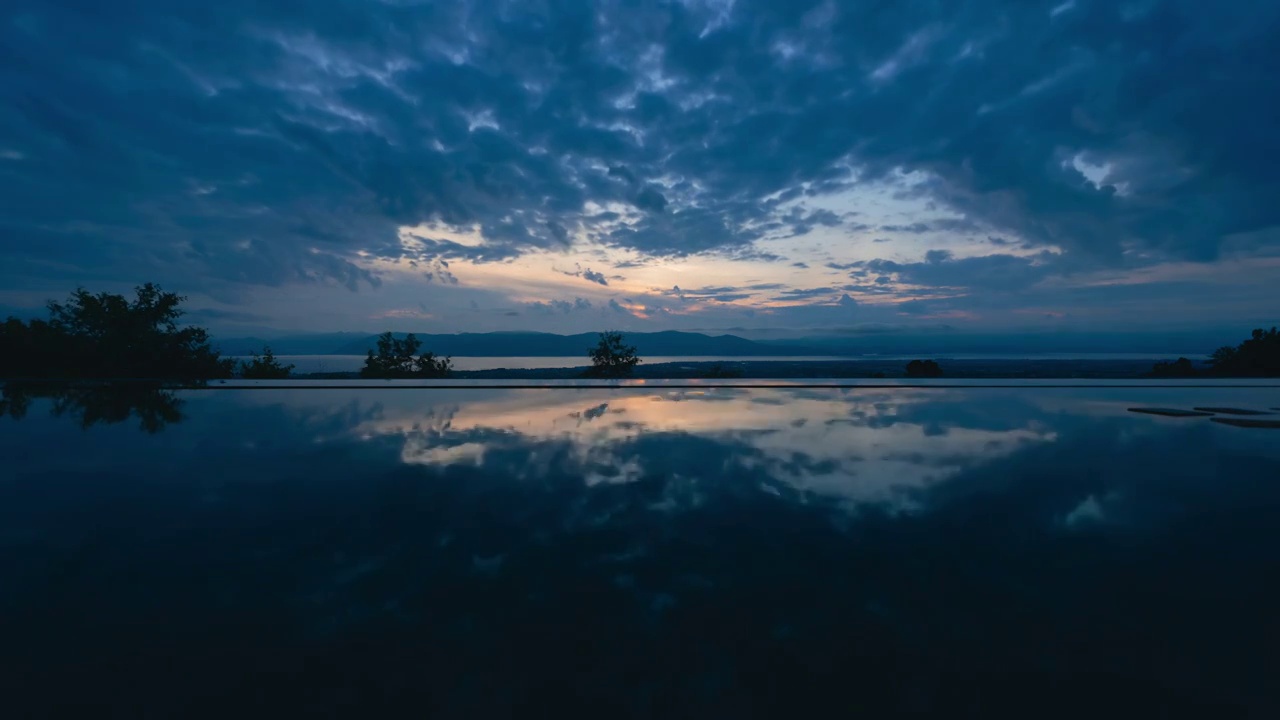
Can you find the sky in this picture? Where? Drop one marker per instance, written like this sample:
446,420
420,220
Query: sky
760,166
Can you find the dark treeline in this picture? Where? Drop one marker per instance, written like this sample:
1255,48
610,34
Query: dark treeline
106,336
399,358
265,367
611,357
93,404
924,369
1258,356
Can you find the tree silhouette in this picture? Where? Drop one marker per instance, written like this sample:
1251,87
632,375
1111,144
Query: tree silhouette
1181,367
721,371
1223,358
610,358
107,336
396,358
1259,356
154,406
265,367
923,369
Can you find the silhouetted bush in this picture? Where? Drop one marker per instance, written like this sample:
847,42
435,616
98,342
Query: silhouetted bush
90,405
1259,356
923,369
265,367
1180,368
721,371
610,358
396,358
106,336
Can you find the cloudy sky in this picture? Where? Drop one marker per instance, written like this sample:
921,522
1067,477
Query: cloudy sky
566,165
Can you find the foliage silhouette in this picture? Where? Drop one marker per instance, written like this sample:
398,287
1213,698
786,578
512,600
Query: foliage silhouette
396,358
154,406
721,371
1180,368
923,369
107,336
1259,356
610,358
265,367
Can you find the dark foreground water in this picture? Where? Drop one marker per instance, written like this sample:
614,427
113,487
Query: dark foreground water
1022,552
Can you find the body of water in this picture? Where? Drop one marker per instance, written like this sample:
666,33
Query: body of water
352,363
1012,551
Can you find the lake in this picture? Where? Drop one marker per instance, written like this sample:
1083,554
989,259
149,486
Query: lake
353,363
643,551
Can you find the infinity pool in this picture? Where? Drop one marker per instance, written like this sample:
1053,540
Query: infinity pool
639,552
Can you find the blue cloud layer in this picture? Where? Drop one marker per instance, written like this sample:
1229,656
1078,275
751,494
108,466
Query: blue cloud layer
268,142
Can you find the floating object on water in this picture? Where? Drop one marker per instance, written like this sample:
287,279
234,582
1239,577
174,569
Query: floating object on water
1171,412
1245,423
1232,411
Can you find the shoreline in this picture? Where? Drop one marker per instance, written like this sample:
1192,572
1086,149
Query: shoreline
783,369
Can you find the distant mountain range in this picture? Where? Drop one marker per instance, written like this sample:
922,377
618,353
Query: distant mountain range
937,343
528,344
940,343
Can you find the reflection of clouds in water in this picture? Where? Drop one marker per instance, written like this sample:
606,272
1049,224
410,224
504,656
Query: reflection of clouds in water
1087,512
417,450
1113,474
856,445
861,446
502,537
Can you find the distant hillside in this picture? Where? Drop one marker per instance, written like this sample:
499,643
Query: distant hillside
941,343
938,343
503,344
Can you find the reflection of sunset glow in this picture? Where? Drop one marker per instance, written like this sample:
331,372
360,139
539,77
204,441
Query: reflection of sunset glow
861,446
879,445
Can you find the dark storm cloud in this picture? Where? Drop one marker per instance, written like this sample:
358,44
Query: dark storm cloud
253,142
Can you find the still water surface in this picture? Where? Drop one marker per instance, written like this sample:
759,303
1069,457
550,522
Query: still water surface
639,552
